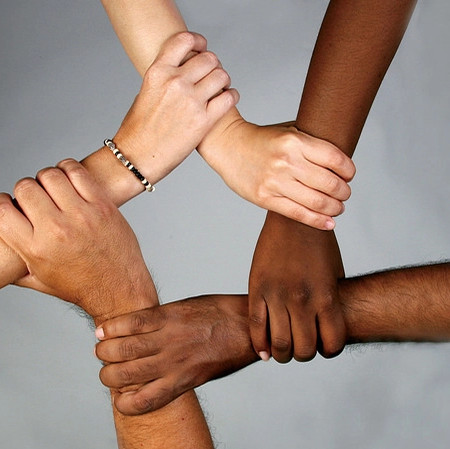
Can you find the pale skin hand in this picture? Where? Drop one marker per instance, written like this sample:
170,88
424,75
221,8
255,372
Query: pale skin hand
285,170
186,343
78,247
278,169
174,108
355,46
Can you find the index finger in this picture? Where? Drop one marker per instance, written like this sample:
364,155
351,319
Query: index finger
177,47
134,323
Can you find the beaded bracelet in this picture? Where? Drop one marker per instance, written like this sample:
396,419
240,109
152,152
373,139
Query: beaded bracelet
112,146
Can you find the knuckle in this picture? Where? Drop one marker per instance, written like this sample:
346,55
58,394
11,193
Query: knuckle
48,174
23,186
210,58
5,208
138,321
297,214
73,168
281,344
332,349
333,184
318,202
257,320
185,38
302,296
127,348
262,194
124,375
289,142
143,402
305,353
105,377
175,85
223,76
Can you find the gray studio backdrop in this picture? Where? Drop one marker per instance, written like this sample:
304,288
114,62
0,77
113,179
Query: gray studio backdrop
65,85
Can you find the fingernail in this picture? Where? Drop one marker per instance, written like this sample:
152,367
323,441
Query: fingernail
95,351
329,224
99,333
264,356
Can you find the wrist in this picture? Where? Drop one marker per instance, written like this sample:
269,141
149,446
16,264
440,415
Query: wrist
207,148
135,295
116,180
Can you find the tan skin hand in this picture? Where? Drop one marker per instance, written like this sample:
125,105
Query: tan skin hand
176,347
285,170
293,303
70,219
186,343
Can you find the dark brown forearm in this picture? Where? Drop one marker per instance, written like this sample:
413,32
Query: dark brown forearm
409,304
354,49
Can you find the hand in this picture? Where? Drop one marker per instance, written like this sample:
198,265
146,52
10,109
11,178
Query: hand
281,169
293,292
173,348
179,102
76,244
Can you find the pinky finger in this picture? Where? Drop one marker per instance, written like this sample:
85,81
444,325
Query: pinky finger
258,326
302,214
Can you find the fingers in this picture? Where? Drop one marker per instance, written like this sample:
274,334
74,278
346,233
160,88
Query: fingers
303,324
150,397
258,326
221,104
127,348
321,180
331,157
332,331
34,201
121,375
140,322
82,182
15,230
177,48
313,200
199,66
58,188
294,211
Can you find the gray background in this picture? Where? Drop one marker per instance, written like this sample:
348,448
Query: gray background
65,85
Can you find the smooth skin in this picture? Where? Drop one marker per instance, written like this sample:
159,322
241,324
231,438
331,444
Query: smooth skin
182,345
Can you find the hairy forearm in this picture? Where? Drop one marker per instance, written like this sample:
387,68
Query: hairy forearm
356,44
179,424
410,304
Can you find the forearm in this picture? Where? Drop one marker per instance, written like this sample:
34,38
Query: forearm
355,46
410,304
179,424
